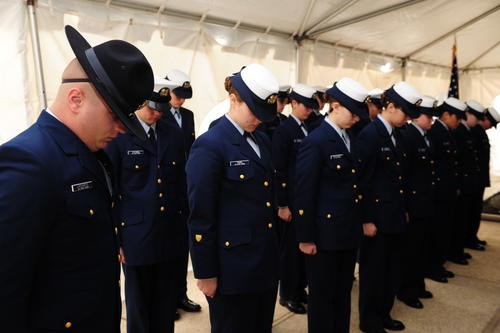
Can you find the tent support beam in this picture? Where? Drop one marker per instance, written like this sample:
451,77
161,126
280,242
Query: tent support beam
329,16
364,17
312,3
463,26
482,55
35,40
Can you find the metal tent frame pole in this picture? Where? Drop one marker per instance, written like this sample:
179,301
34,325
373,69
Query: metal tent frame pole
35,41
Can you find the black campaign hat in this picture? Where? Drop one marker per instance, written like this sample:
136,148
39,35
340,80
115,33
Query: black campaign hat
258,88
120,73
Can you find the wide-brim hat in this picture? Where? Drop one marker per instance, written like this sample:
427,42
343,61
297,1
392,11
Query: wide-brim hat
181,80
406,97
258,88
351,94
475,108
453,106
305,95
120,73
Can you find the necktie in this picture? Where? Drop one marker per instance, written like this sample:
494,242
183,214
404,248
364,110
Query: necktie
426,138
304,128
343,135
151,136
177,117
393,138
252,141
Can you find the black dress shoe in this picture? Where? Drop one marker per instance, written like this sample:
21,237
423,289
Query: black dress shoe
393,325
425,294
448,274
177,315
466,255
411,302
293,306
438,278
459,261
477,247
482,242
303,299
188,305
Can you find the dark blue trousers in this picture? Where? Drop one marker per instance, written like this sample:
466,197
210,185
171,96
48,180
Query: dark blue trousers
329,276
150,298
248,313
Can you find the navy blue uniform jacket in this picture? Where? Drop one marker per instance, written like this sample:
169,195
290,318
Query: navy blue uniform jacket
152,190
468,161
445,157
420,180
187,125
58,249
231,222
483,153
326,197
286,141
382,176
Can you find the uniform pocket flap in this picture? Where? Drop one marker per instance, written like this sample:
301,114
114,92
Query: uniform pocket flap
232,238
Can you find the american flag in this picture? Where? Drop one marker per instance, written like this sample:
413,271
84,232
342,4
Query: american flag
453,91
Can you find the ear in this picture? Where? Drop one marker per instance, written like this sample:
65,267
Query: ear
75,98
232,98
334,105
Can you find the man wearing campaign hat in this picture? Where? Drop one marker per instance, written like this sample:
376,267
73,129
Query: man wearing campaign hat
286,141
445,160
469,178
59,250
326,209
420,183
232,232
381,152
152,185
184,119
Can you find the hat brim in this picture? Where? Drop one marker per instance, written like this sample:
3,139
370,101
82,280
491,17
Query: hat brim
445,107
411,110
261,109
355,107
425,110
79,45
478,115
182,92
311,103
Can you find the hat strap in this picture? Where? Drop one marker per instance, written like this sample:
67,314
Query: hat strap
103,76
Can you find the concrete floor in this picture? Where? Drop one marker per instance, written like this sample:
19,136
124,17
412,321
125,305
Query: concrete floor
469,303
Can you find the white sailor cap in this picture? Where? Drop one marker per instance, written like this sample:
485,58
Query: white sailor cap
182,83
427,106
493,112
475,108
351,94
160,96
405,96
258,88
453,106
304,94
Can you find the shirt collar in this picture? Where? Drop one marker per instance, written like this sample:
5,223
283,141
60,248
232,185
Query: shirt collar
442,123
296,119
335,127
418,128
238,127
386,124
146,126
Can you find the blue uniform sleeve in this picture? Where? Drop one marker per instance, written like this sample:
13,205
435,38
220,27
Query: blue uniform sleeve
307,178
26,208
204,171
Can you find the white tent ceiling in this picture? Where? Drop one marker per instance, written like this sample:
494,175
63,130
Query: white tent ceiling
417,30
